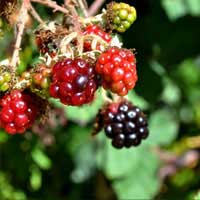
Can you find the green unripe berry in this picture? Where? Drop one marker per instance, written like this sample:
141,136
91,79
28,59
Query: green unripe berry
120,16
117,20
4,87
131,18
124,5
116,6
45,83
121,28
126,24
1,80
7,77
123,14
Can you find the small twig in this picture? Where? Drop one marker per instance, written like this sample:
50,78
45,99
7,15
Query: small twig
35,14
52,4
20,30
94,8
83,6
66,2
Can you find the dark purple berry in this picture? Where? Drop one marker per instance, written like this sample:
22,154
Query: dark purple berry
118,141
109,131
144,132
124,123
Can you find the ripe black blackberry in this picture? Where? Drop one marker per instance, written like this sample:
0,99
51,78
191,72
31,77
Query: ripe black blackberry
125,124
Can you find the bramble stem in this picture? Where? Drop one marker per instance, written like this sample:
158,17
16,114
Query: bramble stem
35,14
83,6
20,30
94,8
52,4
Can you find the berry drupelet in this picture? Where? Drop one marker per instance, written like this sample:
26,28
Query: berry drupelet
117,68
125,124
18,112
74,82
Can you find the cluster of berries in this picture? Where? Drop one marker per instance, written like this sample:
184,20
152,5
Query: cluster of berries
76,64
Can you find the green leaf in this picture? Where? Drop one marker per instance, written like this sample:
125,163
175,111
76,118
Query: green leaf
138,100
41,159
197,196
163,127
132,171
84,163
84,113
78,137
117,163
194,7
141,182
174,8
171,93
3,136
35,178
189,73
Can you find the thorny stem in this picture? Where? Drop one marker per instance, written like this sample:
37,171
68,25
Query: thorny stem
95,19
35,14
94,8
52,4
83,6
20,29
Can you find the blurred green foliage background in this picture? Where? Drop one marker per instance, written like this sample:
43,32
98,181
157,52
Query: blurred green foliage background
63,161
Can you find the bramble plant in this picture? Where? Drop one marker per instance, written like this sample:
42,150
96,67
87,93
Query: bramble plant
77,57
76,77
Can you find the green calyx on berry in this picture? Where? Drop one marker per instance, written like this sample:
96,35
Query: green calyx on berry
120,16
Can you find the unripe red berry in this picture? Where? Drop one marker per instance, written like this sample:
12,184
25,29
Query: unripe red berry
117,68
18,111
74,82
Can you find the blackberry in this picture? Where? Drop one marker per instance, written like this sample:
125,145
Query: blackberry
124,123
